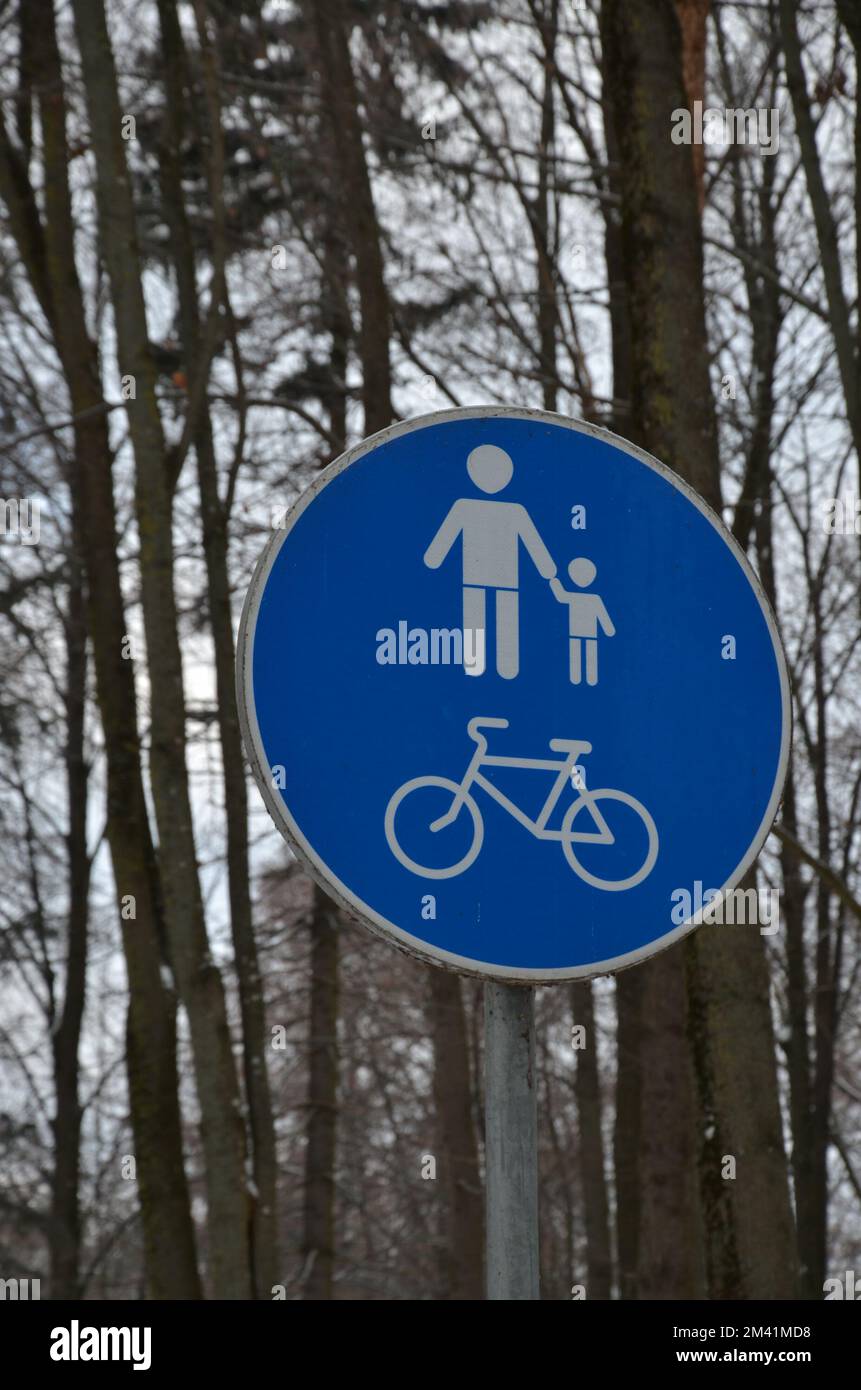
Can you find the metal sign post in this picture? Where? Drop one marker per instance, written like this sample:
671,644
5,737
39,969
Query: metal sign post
511,1142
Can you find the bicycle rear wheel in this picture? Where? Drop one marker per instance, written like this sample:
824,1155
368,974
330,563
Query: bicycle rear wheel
426,817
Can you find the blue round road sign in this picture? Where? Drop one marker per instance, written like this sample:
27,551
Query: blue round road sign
513,694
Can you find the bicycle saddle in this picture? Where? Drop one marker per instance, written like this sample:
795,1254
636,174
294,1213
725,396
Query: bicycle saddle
569,745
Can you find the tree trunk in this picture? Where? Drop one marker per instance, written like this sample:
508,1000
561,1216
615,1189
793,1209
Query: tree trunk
753,518
693,16
151,1026
670,1245
264,1229
812,1078
656,1099
596,1207
358,217
321,1148
461,1185
64,1226
318,1242
357,203
626,1136
748,1223
826,227
798,1052
629,990
825,997
198,978
547,315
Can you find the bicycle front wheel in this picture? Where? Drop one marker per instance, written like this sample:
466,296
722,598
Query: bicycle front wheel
608,884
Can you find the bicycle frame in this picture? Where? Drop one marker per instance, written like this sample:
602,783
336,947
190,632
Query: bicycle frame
538,826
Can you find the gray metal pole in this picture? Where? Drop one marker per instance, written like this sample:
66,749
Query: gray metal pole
511,1137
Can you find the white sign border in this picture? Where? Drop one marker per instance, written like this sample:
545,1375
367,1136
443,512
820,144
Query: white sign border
277,807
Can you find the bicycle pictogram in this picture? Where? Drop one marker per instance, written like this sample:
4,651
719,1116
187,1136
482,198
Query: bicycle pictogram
587,802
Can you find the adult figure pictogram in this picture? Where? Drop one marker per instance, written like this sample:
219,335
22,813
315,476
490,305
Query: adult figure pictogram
491,534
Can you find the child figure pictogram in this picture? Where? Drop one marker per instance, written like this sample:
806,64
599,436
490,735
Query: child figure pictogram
585,613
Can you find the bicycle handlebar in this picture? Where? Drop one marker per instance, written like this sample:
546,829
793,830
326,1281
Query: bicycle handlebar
478,723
